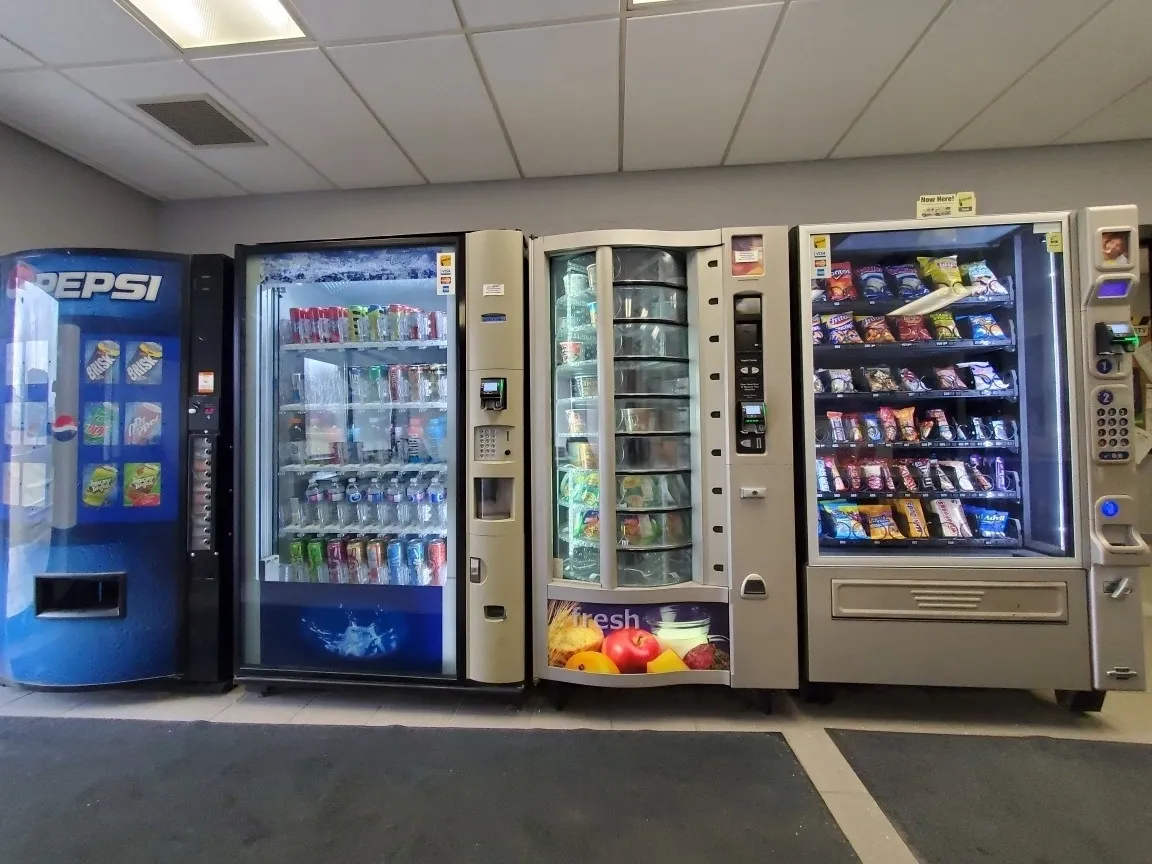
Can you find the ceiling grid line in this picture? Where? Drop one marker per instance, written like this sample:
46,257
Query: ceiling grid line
1096,114
755,80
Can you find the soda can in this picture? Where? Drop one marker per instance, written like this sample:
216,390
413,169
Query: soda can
345,322
140,368
357,383
336,561
357,554
438,559
297,394
417,324
295,316
375,319
438,325
420,383
296,558
439,375
399,383
324,324
394,552
416,557
358,323
377,555
317,567
377,384
393,323
311,321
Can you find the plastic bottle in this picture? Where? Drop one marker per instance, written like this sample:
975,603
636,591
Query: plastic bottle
417,450
374,495
438,502
317,509
361,512
337,502
417,502
394,496
399,437
297,440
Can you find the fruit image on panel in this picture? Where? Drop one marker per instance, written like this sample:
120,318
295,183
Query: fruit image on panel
142,484
638,639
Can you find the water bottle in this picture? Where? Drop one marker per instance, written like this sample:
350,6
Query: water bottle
399,437
416,501
375,499
317,508
416,447
356,503
338,502
395,496
438,501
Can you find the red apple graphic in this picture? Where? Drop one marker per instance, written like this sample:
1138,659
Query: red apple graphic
630,649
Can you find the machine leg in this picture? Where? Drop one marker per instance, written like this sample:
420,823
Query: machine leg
265,691
556,692
1081,701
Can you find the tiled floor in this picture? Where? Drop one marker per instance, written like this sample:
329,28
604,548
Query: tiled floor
1126,717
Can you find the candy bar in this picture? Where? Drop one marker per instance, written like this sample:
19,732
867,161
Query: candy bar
943,427
872,431
999,474
922,469
834,474
840,285
875,328
840,329
906,481
982,279
822,484
912,513
944,325
959,472
872,471
942,479
911,382
879,379
872,282
888,425
907,281
911,328
948,378
854,428
951,516
925,427
817,383
840,380
881,524
836,421
853,475
1000,430
980,431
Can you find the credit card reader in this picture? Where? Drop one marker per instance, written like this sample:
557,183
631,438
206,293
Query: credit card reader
493,394
1116,338
752,417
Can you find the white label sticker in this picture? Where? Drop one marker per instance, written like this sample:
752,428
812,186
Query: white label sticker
746,256
445,273
494,290
206,383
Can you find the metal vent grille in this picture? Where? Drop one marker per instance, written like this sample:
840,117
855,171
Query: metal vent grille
199,121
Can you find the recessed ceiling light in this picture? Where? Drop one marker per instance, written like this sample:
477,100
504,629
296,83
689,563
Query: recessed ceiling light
208,23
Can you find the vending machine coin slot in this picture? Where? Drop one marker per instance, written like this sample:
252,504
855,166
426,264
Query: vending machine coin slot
748,341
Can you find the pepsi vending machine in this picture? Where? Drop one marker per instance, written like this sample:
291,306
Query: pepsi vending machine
117,384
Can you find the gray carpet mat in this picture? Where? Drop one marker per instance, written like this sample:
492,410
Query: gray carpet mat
127,792
960,799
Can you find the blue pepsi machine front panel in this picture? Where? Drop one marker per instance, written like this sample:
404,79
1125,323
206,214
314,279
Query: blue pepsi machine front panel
90,516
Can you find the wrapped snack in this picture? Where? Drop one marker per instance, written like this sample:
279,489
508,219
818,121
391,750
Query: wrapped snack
881,524
984,327
984,376
853,477
980,481
989,523
872,282
817,331
819,524
925,427
822,485
906,420
873,434
959,472
949,378
904,478
840,381
888,425
911,328
1000,430
872,471
840,285
980,430
907,281
875,328
879,379
944,325
911,382
840,329
943,427
854,428
999,474
817,383
942,272
889,482
836,422
844,517
819,290
942,479
922,470
982,279
951,516
915,525
834,474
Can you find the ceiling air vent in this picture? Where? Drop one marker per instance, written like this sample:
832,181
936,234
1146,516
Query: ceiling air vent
199,121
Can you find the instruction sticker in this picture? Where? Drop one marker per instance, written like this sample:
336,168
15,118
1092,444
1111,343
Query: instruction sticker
1055,241
946,206
821,250
494,290
748,256
445,273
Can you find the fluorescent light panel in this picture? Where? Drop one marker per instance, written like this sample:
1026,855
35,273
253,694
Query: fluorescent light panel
209,23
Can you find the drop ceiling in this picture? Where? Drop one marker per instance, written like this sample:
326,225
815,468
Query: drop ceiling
406,92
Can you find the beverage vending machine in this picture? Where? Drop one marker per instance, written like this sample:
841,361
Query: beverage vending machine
383,461
663,533
116,533
968,450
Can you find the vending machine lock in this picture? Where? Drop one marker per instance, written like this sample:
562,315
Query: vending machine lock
493,395
1117,338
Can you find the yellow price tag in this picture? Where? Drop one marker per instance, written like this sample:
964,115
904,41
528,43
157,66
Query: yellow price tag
1055,241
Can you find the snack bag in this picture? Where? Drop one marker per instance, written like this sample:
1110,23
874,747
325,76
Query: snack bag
911,328
836,423
982,279
943,427
926,425
875,328
944,325
873,434
817,331
879,379
951,516
889,483
840,329
904,478
840,381
834,474
984,327
912,382
844,517
854,428
889,428
872,471
906,420
853,477
907,281
881,524
817,383
943,272
980,430
948,378
979,480
872,283
840,284
915,525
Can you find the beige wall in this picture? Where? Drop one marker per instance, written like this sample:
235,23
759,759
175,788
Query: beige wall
49,200
1054,178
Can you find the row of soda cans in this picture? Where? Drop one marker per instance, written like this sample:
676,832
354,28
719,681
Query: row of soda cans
382,560
327,324
100,485
102,366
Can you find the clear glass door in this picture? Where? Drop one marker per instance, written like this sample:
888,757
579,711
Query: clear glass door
939,392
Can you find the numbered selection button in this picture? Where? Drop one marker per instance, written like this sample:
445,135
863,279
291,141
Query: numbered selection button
1105,397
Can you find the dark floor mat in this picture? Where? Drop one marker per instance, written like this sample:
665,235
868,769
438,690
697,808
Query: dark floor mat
127,792
959,799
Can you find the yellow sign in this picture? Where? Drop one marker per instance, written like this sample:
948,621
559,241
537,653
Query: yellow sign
1055,241
946,206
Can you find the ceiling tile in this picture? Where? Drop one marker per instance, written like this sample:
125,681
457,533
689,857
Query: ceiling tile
961,75
259,169
330,20
442,116
686,79
558,90
498,13
12,57
332,129
48,106
1106,58
1124,120
828,60
69,32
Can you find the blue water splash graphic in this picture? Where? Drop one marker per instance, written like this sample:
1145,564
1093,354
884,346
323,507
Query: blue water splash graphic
378,638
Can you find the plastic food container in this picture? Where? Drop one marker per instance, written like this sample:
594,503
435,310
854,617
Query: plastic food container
641,264
652,452
650,340
585,386
652,415
582,454
651,302
641,530
649,569
578,421
650,377
582,565
649,491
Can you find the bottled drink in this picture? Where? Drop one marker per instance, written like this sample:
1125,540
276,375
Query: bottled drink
337,502
356,503
438,502
296,555
416,502
399,437
416,447
425,510
374,496
317,507
297,440
394,496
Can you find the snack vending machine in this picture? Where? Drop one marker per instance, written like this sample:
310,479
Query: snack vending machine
663,461
968,453
383,461
113,523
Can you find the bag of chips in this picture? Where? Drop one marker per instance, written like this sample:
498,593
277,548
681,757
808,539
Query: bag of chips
944,325
983,327
844,517
912,514
881,524
817,331
951,516
840,329
888,425
912,382
840,285
906,420
817,383
942,272
926,425
872,282
840,380
879,379
949,378
912,328
875,328
984,376
907,281
982,279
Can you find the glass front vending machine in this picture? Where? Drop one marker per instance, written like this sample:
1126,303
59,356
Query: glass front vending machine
382,468
968,453
663,532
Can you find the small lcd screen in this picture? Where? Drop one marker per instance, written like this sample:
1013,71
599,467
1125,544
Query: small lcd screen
490,388
753,410
749,306
1113,288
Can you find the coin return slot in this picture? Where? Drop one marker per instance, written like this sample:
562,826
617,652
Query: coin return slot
494,498
86,595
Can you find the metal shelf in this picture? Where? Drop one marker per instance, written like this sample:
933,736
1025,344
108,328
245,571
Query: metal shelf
887,306
1014,444
919,395
926,543
373,529
368,468
304,407
889,496
404,344
912,350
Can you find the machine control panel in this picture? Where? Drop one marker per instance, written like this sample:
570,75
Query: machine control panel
1112,416
204,414
748,340
493,394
